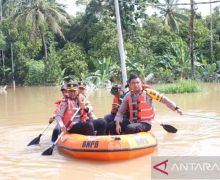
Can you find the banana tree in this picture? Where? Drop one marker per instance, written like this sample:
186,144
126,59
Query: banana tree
107,70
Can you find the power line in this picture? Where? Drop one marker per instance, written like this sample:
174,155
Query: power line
149,4
175,4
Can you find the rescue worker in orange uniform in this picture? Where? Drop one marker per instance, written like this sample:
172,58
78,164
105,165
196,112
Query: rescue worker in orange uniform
57,130
141,112
98,123
72,114
118,93
82,88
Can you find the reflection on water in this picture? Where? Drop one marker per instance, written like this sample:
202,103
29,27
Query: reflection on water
24,114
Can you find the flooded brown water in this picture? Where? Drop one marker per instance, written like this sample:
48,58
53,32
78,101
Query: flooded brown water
24,114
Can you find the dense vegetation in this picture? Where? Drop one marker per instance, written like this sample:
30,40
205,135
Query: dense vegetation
184,86
48,45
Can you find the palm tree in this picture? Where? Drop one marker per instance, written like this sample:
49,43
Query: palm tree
41,14
8,8
172,14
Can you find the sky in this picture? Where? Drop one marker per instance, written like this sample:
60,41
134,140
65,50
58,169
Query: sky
203,8
71,8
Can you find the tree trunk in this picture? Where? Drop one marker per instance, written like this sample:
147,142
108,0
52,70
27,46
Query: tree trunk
3,63
43,42
1,10
2,50
191,44
211,33
12,66
41,30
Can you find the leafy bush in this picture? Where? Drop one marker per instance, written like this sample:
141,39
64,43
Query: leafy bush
206,71
185,86
164,75
35,75
73,60
106,70
53,71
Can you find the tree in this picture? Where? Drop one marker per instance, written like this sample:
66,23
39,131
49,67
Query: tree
172,15
2,45
73,60
104,38
41,14
131,12
215,31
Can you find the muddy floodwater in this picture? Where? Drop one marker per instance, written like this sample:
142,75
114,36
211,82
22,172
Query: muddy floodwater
24,113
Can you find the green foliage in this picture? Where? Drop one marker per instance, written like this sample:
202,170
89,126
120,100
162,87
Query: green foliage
206,71
2,40
202,39
164,75
90,50
216,34
5,75
35,75
176,62
146,50
186,86
41,15
173,15
137,68
73,60
156,36
131,12
104,38
181,53
53,71
106,71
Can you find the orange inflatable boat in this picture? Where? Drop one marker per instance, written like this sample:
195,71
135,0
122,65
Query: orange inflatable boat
107,148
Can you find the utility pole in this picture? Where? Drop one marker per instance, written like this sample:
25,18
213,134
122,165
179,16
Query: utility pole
191,43
211,32
120,45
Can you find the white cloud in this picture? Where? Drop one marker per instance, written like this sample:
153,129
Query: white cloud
71,7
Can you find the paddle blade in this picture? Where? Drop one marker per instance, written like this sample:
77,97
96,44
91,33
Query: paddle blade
35,141
169,128
48,151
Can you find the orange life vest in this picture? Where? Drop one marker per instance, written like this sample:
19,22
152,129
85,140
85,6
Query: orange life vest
117,97
140,110
117,100
71,109
58,102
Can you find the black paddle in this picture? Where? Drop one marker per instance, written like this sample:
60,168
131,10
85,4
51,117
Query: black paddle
49,151
37,139
169,128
